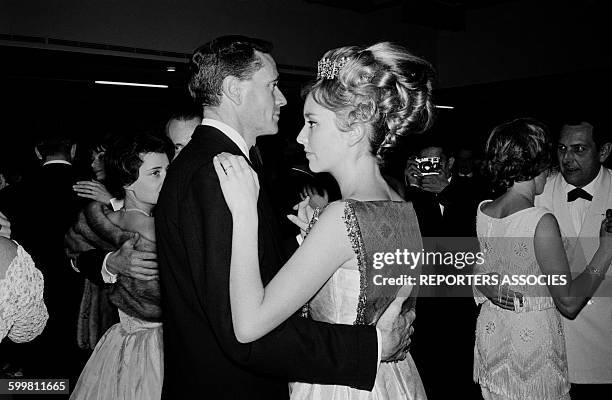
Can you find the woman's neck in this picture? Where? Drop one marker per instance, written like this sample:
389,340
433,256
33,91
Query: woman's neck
523,192
134,204
361,179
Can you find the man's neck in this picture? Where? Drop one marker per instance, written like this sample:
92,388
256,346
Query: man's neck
231,119
590,182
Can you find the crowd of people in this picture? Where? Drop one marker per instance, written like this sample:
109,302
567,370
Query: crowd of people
167,275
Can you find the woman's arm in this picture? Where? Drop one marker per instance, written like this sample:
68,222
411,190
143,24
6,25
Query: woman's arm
550,254
257,310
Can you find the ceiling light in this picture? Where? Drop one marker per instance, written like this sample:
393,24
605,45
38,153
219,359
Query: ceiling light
131,84
446,107
171,69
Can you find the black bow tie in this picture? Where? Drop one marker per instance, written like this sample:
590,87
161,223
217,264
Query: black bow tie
578,193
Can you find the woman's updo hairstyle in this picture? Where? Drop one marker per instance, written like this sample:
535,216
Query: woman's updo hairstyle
517,151
383,85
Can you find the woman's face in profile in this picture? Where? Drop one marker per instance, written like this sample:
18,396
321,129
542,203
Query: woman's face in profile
151,175
97,164
320,136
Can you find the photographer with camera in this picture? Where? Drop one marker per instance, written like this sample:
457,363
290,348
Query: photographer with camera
446,210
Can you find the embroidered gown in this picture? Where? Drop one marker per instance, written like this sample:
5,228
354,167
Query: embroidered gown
351,297
23,314
517,355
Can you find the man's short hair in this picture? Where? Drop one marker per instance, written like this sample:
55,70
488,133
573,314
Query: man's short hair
224,56
183,114
54,145
600,135
429,141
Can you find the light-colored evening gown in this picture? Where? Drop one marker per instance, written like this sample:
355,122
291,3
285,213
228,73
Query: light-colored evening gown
23,314
517,355
349,297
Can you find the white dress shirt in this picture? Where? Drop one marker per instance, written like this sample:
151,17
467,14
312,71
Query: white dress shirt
57,162
579,207
230,133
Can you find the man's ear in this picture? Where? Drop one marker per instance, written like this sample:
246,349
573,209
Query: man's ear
232,89
356,134
73,151
38,155
604,152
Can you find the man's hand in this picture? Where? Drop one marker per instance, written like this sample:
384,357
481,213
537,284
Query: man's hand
411,173
92,190
133,263
5,226
317,200
501,295
304,215
395,330
435,183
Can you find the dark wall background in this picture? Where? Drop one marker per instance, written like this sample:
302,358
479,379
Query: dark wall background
497,60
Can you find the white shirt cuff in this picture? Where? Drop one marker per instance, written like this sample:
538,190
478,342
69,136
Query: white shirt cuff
379,342
116,204
73,265
107,276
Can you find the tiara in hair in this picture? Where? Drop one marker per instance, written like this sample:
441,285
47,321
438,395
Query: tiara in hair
328,69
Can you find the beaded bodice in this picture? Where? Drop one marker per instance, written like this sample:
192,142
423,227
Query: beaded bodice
349,296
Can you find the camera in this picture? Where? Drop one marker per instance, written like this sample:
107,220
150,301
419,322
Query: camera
428,165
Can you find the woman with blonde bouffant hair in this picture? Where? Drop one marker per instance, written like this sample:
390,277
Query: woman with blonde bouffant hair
364,101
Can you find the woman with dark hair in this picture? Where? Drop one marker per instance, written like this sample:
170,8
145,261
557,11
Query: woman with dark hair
364,100
94,189
520,349
96,312
127,361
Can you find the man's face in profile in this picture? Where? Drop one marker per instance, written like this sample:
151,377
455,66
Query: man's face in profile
263,99
180,131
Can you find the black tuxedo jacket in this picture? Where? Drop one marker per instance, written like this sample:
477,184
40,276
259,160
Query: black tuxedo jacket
460,199
446,316
201,354
44,206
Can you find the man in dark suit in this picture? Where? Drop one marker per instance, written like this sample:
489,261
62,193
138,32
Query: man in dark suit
44,206
235,79
445,205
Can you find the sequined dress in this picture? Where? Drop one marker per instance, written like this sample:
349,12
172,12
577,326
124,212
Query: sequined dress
23,314
518,354
349,297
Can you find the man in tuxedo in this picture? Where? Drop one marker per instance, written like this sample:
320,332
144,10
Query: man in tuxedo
579,196
445,205
41,211
236,81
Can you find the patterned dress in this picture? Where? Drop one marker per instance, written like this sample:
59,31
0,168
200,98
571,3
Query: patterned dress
23,314
349,297
518,354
